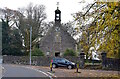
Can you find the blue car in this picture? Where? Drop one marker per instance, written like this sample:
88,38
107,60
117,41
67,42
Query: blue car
62,62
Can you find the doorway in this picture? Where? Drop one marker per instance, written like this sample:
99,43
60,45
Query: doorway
57,54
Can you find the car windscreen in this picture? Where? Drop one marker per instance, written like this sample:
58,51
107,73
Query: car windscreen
66,60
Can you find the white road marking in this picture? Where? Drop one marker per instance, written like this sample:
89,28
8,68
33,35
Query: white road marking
51,74
3,70
40,72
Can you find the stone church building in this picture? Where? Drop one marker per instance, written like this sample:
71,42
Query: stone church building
57,40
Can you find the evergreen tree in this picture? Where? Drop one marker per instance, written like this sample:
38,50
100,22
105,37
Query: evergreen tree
5,38
16,43
11,40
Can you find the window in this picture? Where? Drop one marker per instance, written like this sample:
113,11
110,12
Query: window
57,16
57,29
57,37
63,60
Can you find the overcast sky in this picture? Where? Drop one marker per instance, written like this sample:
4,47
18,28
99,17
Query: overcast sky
67,7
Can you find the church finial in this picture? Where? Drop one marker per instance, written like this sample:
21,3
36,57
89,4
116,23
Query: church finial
57,5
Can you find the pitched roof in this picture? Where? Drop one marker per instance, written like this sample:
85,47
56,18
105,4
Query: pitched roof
62,28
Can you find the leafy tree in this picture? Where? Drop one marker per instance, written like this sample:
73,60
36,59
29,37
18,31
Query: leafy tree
84,43
108,28
69,52
104,32
37,52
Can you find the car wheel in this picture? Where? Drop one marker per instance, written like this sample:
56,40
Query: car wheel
54,65
69,67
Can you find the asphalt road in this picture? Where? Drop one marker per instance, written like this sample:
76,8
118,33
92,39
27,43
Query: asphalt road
21,71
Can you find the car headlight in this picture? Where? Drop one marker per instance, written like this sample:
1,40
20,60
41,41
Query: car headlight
73,63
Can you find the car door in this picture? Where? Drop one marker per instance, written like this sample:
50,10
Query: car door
61,62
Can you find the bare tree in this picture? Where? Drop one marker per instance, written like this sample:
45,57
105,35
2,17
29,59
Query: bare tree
24,18
33,16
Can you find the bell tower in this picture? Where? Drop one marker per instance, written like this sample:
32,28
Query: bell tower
57,37
57,14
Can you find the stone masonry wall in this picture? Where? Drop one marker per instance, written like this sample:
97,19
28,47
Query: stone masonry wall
49,44
39,61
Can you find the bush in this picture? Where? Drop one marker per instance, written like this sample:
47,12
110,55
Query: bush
69,52
37,52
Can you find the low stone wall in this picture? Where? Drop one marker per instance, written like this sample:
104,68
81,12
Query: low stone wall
39,61
111,63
